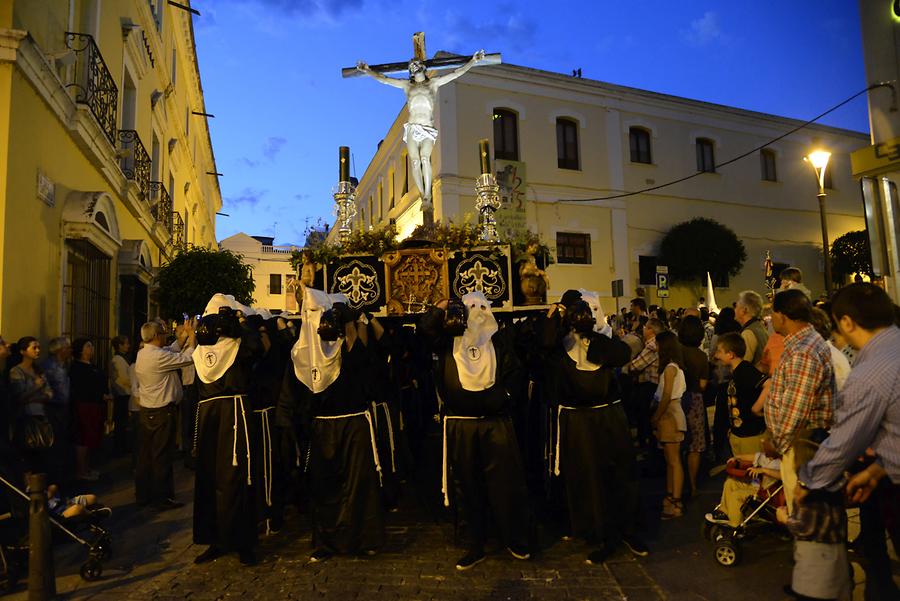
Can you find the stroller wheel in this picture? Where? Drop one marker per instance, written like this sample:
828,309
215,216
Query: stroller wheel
728,553
91,570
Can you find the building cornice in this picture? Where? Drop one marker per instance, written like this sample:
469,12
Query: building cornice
593,88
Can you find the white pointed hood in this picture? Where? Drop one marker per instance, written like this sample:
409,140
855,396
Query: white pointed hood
711,301
473,352
226,300
317,362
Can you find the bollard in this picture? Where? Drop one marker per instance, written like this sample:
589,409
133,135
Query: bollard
41,576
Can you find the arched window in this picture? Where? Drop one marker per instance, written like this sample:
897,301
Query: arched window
706,157
767,165
639,141
566,143
506,135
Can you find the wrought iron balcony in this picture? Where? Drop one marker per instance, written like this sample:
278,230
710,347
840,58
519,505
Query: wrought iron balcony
135,162
160,203
93,83
177,229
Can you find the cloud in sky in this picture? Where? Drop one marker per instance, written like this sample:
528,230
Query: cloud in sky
272,147
507,28
309,8
704,30
248,197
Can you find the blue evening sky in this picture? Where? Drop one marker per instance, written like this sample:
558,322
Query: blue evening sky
271,73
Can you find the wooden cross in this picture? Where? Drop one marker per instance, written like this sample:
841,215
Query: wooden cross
445,62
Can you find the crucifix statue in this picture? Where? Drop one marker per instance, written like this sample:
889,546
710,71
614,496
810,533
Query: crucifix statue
421,90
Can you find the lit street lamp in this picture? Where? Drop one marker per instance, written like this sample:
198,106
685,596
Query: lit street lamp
819,160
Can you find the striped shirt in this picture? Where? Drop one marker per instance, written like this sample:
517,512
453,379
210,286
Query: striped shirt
868,415
802,390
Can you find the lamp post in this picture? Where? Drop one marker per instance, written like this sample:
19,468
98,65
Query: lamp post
819,161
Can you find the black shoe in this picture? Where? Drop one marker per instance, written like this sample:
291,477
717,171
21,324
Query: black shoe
596,558
470,559
320,555
167,505
636,546
247,557
213,552
519,552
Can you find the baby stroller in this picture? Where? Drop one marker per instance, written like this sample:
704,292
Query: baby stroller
758,512
84,530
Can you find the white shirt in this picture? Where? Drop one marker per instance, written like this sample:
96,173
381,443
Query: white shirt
157,369
119,376
840,364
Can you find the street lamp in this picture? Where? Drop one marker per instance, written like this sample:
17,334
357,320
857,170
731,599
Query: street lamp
819,160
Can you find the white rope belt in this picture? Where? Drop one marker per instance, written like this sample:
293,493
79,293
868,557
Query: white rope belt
267,458
559,411
444,487
238,400
390,431
368,417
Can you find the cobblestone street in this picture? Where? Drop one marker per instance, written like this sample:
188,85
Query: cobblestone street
153,560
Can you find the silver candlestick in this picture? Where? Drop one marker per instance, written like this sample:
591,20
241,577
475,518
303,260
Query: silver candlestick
345,209
487,204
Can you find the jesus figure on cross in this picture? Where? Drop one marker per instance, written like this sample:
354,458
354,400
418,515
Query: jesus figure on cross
419,132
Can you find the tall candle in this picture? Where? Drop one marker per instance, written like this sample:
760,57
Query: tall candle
345,164
484,154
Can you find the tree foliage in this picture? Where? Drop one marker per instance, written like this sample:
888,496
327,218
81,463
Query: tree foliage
187,282
851,254
692,248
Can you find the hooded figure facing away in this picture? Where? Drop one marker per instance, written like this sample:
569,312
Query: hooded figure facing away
593,451
224,508
322,386
477,370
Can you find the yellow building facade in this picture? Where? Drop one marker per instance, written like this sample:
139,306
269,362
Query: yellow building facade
106,162
564,138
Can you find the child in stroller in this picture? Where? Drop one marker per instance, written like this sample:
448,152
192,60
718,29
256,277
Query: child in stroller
80,505
750,498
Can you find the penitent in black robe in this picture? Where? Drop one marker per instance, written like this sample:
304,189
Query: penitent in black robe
483,453
347,512
224,507
596,455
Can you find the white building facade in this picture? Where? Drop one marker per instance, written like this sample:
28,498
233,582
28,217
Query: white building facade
572,138
275,280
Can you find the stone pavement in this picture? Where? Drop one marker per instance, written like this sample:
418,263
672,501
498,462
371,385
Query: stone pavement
153,557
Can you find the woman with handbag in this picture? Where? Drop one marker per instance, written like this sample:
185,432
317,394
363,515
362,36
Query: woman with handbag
30,392
90,396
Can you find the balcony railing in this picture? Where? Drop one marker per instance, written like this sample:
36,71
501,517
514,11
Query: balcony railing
176,229
93,83
135,161
160,203
281,250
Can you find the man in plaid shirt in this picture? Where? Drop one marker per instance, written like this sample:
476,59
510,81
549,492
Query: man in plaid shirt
644,368
801,395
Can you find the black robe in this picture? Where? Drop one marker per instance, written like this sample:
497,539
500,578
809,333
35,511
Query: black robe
386,414
347,512
597,460
273,455
224,507
483,452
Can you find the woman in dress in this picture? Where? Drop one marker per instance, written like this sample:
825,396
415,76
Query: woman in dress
668,421
89,396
